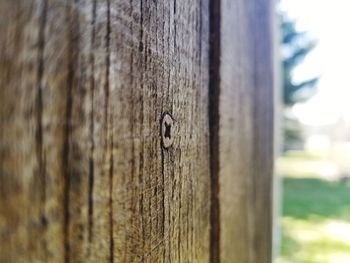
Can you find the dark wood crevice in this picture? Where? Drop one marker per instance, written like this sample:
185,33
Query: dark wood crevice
214,122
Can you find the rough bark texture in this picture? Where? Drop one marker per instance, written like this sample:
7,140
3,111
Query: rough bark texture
83,176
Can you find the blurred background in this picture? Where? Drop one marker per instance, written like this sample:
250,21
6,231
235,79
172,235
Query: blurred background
314,162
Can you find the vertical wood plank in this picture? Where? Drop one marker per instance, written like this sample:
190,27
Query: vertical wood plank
264,99
82,172
157,65
245,132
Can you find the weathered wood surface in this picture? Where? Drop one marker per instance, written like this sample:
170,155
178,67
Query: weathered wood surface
83,174
245,131
83,177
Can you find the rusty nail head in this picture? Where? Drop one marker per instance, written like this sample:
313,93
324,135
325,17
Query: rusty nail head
167,130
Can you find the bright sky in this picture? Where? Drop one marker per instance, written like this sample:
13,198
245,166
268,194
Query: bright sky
328,21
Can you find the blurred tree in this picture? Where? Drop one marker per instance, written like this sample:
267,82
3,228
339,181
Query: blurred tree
295,46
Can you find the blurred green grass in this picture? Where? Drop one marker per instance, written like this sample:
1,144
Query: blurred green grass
316,214
315,199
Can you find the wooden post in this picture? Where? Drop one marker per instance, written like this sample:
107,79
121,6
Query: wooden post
242,130
90,171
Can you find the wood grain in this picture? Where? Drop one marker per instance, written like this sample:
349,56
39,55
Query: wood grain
82,172
245,133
